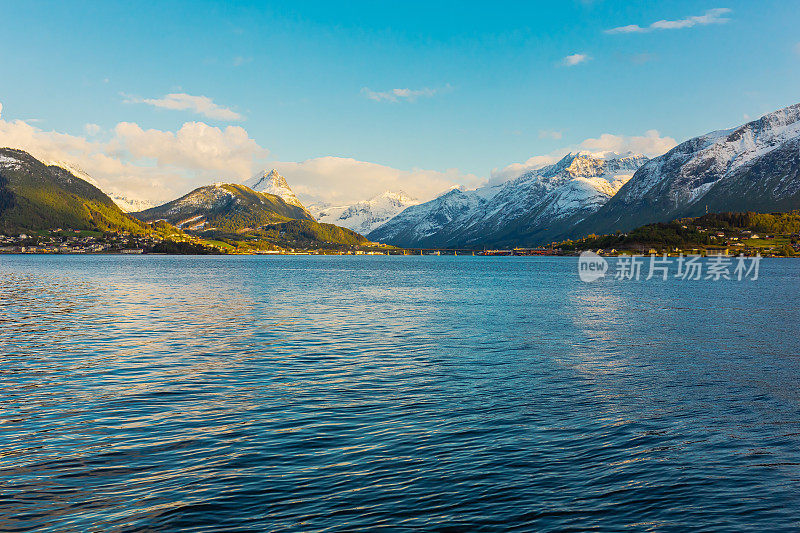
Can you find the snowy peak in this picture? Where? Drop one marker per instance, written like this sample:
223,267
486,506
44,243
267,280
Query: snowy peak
74,169
273,183
366,215
592,164
398,197
518,211
781,124
225,207
754,167
130,205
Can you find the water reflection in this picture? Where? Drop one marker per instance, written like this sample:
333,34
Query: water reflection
346,393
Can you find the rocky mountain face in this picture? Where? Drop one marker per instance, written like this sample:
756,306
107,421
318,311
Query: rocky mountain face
364,216
522,211
225,207
273,183
755,167
35,196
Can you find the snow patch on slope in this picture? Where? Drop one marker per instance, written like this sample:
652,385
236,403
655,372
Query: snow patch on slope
10,162
365,216
273,183
577,185
695,166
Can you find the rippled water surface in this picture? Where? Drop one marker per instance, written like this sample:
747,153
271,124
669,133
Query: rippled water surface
359,393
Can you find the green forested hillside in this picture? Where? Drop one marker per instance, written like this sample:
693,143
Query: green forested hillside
225,207
34,196
737,231
311,231
235,213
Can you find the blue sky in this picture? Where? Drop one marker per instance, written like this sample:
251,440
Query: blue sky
435,92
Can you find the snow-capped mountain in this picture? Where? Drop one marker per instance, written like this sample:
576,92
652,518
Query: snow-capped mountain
40,195
126,203
755,167
519,211
364,216
273,183
224,206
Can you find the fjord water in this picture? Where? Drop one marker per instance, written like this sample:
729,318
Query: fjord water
358,393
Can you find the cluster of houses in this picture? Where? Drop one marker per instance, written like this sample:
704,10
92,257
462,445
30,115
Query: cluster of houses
734,242
68,241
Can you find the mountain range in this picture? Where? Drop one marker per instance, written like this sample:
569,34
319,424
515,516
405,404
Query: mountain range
366,215
754,167
234,211
524,210
36,196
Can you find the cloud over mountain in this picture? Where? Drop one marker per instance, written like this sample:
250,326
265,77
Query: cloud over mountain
159,165
149,164
343,180
650,144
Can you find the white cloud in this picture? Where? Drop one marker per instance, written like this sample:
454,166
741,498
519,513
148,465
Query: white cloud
712,16
91,129
550,134
195,146
342,180
160,165
201,105
148,164
575,59
397,95
651,144
238,61
514,170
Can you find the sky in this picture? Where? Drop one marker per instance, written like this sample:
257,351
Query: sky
350,99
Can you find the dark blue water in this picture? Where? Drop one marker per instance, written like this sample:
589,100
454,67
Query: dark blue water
424,393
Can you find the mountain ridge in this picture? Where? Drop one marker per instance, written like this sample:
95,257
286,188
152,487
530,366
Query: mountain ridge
752,167
515,211
274,183
35,195
224,206
366,215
